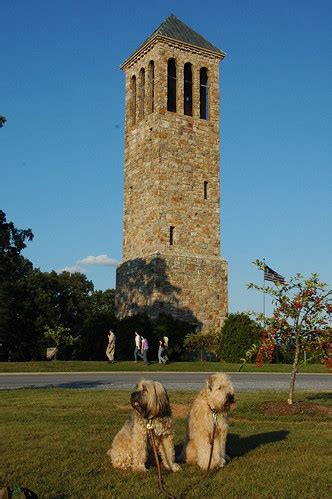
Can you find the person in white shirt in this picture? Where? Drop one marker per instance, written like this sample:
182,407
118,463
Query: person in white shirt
111,346
137,345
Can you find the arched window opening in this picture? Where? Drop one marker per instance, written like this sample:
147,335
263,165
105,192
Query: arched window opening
188,89
171,85
142,93
133,99
151,82
203,94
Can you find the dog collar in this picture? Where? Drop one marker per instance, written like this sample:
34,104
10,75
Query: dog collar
149,424
214,415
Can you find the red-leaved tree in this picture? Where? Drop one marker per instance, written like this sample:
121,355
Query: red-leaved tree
301,321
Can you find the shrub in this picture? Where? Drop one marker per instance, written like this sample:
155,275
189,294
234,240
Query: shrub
238,334
205,346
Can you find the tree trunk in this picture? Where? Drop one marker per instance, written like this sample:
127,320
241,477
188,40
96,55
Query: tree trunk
294,369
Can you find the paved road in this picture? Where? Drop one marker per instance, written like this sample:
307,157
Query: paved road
171,380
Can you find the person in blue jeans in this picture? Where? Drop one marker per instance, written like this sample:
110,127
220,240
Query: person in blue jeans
137,345
161,350
144,350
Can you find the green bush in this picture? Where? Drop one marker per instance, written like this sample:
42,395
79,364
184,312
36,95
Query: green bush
238,334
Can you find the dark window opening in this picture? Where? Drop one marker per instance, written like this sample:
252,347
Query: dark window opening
151,77
188,89
171,236
133,100
142,93
171,85
206,189
203,93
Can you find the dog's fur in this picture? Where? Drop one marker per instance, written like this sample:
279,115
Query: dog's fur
218,396
129,448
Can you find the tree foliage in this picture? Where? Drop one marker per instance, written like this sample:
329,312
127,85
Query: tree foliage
205,345
14,269
61,338
238,334
301,321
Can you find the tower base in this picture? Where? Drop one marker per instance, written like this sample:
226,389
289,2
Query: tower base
189,288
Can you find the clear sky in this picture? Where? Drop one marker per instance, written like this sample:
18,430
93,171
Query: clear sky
61,150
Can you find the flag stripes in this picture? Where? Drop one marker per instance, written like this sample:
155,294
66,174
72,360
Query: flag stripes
272,275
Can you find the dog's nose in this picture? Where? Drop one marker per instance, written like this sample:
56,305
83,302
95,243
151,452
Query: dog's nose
230,398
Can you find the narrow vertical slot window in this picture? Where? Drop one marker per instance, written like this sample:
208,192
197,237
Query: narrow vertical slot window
151,78
133,100
142,93
206,189
171,85
171,235
188,89
203,93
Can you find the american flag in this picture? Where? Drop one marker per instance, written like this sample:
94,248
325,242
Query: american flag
272,275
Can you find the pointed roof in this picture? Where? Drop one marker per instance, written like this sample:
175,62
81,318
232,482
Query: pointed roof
175,29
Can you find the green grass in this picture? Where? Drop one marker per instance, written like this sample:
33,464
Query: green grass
97,366
55,441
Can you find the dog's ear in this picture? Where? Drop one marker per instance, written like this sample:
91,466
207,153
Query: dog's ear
162,400
209,382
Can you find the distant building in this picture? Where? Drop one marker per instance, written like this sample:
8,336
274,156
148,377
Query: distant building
171,237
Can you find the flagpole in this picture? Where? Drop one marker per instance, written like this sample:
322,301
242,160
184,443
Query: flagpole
264,289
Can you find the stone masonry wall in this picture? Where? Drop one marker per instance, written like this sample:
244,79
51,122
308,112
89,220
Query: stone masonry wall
188,288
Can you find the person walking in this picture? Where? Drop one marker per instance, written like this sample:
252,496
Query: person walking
111,346
161,349
144,350
137,345
165,353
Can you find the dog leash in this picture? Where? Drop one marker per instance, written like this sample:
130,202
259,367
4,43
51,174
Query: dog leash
149,427
215,420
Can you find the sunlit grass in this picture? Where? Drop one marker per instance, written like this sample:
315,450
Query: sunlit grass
98,366
55,441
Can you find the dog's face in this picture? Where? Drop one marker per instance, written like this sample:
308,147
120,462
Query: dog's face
220,392
150,399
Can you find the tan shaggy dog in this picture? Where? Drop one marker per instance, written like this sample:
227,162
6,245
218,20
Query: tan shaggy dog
150,403
209,408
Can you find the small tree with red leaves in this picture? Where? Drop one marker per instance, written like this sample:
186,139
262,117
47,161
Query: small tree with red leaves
301,321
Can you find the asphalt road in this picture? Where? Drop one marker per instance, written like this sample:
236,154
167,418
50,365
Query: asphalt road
171,380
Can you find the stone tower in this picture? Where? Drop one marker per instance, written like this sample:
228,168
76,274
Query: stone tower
171,236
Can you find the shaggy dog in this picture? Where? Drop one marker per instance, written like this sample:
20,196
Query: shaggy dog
150,403
209,408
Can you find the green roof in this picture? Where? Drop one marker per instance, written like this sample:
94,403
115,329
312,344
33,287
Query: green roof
174,28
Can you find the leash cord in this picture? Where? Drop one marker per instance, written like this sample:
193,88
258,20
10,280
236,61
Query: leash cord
160,478
212,439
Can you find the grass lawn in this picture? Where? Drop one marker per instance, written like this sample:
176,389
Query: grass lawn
55,441
97,366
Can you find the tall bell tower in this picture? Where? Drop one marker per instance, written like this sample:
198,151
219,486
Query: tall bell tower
171,236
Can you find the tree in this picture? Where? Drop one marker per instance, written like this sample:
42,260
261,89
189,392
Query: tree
93,334
203,343
60,338
13,271
238,333
300,320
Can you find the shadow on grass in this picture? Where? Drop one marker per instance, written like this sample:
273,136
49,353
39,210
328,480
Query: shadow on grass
320,396
239,446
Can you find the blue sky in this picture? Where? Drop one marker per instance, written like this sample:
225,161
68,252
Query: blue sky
61,150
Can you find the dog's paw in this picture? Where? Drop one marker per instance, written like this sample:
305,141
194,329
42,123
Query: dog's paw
139,468
222,462
176,467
